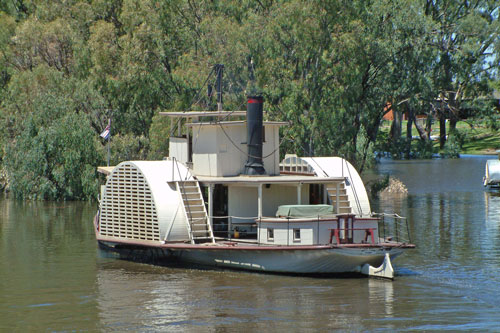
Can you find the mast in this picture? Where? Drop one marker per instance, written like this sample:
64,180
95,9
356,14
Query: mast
219,70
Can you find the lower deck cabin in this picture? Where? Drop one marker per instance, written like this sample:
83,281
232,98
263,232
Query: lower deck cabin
320,230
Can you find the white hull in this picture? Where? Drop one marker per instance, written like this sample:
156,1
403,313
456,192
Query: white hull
323,260
289,261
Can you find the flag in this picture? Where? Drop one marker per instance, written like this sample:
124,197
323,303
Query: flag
107,131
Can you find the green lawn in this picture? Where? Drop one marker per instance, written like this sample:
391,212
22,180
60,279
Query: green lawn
483,142
478,138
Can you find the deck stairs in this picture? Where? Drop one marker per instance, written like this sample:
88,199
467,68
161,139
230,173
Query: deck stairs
339,198
200,230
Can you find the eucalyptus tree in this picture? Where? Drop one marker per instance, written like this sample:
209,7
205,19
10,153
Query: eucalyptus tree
410,59
465,40
50,151
331,67
222,32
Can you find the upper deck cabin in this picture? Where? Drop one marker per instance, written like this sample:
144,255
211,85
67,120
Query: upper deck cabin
214,143
219,146
216,147
229,176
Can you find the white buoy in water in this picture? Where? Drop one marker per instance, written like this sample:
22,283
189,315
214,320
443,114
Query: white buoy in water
384,271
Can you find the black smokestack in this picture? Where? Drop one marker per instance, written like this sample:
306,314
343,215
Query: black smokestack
254,165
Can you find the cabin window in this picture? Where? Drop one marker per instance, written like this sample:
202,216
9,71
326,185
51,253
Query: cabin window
296,235
270,234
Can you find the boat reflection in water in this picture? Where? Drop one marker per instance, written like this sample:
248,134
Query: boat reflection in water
132,295
492,212
382,292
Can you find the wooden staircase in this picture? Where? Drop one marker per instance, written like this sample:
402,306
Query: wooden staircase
338,197
200,230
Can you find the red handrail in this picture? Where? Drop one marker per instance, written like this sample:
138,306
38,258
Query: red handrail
335,232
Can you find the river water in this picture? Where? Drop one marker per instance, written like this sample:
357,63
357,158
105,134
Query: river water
53,278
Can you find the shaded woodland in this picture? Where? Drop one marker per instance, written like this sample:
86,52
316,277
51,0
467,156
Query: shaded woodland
330,68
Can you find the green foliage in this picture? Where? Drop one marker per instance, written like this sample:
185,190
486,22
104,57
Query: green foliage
103,43
50,147
329,68
158,136
378,185
128,147
424,149
53,159
493,121
451,149
454,144
396,149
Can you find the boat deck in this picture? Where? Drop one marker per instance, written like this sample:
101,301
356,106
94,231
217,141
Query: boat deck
247,245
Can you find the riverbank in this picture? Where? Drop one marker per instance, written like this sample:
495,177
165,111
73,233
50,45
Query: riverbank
4,183
486,143
476,138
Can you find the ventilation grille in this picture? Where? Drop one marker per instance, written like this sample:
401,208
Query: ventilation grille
127,207
295,165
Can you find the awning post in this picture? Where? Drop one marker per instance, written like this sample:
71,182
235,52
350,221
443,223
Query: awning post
210,204
299,194
259,203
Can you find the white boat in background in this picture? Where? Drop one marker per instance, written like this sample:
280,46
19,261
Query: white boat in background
492,173
223,199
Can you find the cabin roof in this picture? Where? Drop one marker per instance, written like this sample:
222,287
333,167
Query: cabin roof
105,169
256,180
253,180
190,114
237,122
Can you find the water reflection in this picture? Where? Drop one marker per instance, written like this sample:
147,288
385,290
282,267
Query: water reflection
47,266
492,205
52,278
135,296
166,299
382,292
492,224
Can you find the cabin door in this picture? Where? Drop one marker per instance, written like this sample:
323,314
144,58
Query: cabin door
190,148
220,210
316,194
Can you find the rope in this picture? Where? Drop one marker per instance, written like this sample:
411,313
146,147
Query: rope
390,215
318,165
246,153
192,101
225,117
353,188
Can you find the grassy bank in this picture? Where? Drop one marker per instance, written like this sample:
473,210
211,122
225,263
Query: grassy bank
478,139
482,142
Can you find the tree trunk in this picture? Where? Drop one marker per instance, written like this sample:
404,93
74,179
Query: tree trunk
453,124
428,125
454,113
357,126
422,132
442,130
396,125
408,132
